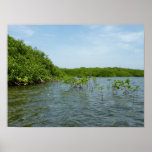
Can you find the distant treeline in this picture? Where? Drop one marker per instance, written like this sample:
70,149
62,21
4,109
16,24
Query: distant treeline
104,72
27,65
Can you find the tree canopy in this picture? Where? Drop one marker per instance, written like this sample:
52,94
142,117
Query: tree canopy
27,65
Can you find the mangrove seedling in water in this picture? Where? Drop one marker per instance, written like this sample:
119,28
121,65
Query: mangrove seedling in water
116,85
109,80
122,85
94,79
76,83
101,89
125,86
134,90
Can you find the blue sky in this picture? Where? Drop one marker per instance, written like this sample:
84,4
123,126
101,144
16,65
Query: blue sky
71,46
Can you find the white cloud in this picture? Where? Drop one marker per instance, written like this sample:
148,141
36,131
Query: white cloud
130,37
112,40
27,42
48,35
104,28
21,30
26,30
104,46
92,27
110,28
114,33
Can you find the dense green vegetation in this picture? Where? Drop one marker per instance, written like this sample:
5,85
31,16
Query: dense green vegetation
27,65
91,84
104,72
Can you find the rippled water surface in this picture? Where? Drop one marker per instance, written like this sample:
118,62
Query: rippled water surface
58,105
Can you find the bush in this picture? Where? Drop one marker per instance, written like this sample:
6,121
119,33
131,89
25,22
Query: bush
26,65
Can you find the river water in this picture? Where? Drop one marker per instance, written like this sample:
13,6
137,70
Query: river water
58,105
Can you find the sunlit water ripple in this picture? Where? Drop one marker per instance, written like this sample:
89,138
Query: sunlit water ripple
57,105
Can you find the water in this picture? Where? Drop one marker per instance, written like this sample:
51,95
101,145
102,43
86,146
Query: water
58,105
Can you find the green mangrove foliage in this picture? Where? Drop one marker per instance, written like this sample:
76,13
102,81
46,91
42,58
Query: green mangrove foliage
100,88
27,65
82,82
124,85
116,85
94,79
75,82
104,72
